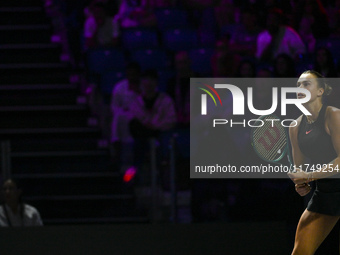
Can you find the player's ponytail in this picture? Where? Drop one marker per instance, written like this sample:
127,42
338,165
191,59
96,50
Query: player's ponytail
321,82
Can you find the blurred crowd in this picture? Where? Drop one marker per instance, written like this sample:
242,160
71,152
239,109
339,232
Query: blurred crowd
284,37
154,47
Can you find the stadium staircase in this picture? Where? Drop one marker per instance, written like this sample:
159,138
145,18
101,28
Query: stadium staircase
58,153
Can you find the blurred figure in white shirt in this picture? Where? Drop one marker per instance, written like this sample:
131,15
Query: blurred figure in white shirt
13,212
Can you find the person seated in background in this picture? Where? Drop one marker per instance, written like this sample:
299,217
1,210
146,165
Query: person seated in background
124,94
179,85
246,69
243,40
13,212
136,13
278,39
324,62
100,30
153,112
284,66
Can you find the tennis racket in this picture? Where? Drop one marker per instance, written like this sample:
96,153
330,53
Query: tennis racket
270,140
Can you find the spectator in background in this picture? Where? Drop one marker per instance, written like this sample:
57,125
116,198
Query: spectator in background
179,87
277,39
246,69
13,212
311,22
136,13
243,40
124,94
100,30
224,61
152,113
324,63
284,66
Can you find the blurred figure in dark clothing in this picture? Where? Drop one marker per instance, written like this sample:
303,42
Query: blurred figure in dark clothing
246,69
152,111
324,63
284,66
124,93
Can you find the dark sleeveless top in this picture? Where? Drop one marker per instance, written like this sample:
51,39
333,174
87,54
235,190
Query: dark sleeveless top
316,144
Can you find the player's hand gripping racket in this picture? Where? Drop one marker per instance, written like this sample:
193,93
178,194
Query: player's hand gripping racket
270,140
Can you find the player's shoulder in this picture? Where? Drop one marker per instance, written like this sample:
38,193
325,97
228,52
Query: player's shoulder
332,110
332,113
296,123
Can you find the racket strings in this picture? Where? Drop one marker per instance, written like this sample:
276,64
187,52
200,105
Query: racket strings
270,140
272,154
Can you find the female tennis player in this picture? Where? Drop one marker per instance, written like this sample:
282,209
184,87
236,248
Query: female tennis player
316,137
